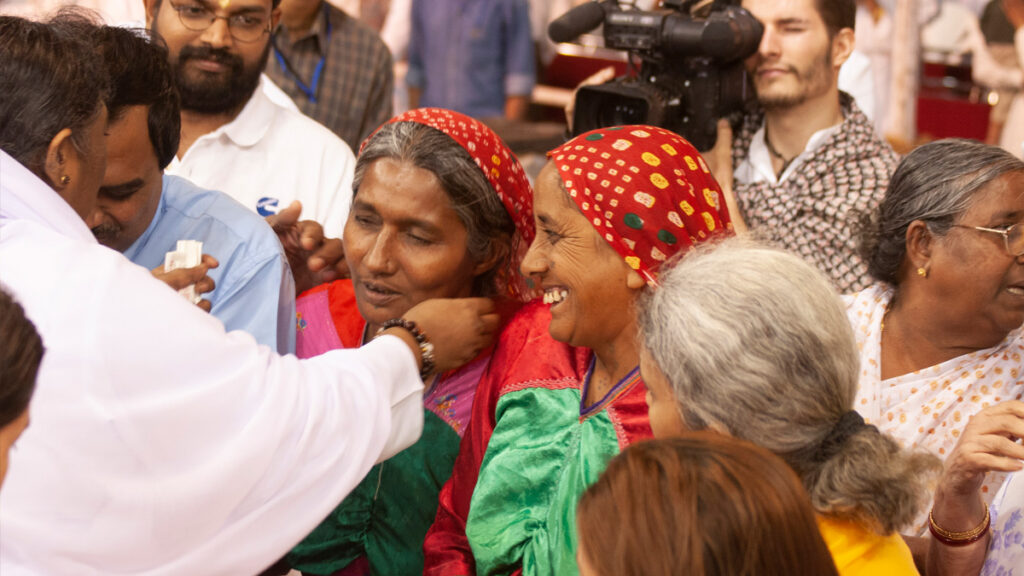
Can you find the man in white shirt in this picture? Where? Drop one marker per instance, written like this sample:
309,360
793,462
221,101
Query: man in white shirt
234,137
808,160
159,444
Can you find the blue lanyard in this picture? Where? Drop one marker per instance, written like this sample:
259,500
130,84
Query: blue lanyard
311,90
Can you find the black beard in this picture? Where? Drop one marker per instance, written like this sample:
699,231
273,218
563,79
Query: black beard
212,94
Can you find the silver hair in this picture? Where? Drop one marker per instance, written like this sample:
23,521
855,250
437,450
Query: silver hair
488,225
755,341
935,183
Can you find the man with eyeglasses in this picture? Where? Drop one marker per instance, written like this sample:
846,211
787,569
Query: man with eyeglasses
234,137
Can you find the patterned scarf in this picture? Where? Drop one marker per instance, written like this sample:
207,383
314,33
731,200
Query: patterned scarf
813,212
646,190
501,168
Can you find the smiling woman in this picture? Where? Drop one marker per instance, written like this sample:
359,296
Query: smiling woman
940,334
563,394
442,209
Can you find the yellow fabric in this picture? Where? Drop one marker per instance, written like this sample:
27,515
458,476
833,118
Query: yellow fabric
861,552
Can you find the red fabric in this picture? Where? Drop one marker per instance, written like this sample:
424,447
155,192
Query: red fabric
629,415
646,190
525,352
345,312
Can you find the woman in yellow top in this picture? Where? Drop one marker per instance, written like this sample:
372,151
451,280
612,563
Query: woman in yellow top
753,342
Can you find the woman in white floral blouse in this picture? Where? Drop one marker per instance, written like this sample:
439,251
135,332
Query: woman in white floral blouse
940,334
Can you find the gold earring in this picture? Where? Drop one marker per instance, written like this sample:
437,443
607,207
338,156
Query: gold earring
65,180
922,272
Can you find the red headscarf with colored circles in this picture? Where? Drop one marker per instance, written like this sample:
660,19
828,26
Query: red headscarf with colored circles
646,190
501,168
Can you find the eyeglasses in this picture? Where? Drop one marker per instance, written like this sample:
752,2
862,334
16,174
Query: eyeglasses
1013,237
245,27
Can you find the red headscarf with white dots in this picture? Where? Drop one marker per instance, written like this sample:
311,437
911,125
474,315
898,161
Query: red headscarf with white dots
646,190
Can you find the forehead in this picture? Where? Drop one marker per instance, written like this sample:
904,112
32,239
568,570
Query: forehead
1000,198
550,192
397,186
769,11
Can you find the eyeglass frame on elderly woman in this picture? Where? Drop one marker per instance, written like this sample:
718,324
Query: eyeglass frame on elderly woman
211,17
1018,227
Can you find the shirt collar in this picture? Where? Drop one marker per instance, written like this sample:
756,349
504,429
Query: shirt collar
253,122
761,159
318,31
23,196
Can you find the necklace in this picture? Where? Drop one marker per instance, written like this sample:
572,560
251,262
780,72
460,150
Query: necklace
771,150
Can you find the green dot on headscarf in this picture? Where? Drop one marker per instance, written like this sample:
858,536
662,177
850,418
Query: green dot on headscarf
594,136
667,237
633,221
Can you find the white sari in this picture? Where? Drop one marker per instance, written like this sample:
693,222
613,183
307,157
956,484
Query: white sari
929,408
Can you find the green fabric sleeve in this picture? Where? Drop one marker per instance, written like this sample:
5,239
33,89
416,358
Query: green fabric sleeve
387,516
539,461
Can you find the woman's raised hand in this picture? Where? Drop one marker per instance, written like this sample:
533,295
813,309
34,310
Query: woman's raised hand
990,442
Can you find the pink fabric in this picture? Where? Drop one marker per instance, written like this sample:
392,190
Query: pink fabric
316,332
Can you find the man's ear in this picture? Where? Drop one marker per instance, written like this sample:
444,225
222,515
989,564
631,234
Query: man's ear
842,46
57,164
275,17
152,7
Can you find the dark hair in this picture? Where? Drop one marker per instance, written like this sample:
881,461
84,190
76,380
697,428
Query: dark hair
140,75
837,14
21,352
50,79
701,504
472,197
935,184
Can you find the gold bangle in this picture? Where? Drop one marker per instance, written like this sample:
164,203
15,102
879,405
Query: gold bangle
959,538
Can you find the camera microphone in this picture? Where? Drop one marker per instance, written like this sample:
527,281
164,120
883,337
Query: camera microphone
579,20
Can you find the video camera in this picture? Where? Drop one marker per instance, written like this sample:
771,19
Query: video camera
692,70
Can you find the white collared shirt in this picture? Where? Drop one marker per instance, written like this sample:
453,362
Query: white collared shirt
160,445
270,155
757,167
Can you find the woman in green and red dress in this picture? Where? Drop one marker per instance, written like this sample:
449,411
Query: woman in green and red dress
441,210
562,393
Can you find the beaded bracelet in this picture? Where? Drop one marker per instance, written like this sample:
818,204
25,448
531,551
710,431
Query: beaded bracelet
426,348
959,538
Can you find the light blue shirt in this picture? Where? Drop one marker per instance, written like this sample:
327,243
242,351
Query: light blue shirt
255,291
469,55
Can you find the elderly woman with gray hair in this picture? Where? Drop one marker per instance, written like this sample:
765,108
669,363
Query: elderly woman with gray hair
940,335
753,342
